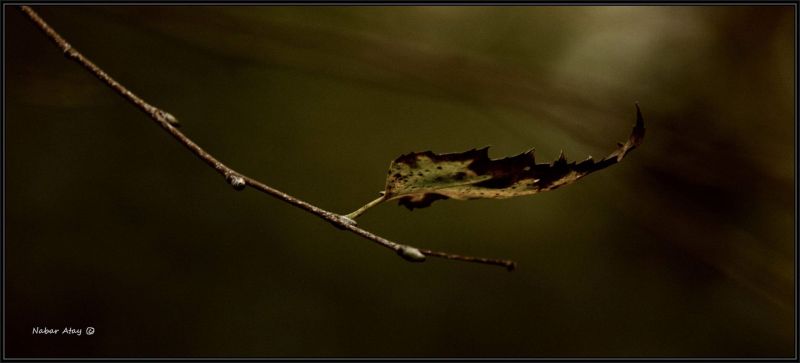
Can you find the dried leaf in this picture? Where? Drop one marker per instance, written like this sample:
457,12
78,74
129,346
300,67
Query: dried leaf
418,179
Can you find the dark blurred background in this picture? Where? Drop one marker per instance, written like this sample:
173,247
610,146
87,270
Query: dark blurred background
685,249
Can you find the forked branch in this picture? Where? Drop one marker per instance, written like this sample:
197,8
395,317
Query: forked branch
237,180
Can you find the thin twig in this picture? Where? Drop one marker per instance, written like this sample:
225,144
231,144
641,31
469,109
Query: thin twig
237,180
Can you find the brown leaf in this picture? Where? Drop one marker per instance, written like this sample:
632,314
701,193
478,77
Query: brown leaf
418,179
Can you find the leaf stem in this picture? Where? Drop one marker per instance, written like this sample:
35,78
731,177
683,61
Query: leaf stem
369,205
238,181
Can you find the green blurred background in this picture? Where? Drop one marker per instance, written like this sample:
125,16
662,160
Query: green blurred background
684,249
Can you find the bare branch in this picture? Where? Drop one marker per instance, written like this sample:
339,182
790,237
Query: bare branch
237,180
